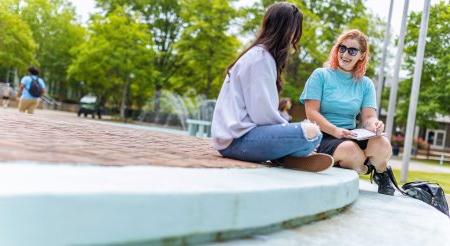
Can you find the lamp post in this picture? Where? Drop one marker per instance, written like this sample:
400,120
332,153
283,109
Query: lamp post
415,91
383,57
398,61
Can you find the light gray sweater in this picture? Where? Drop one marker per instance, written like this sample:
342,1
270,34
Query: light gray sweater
248,98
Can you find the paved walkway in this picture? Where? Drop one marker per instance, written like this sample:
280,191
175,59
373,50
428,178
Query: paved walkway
420,166
54,136
58,137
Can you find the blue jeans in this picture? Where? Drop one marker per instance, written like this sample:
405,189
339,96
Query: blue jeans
271,142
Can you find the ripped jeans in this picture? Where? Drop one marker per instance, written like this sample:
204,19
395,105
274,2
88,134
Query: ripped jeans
272,142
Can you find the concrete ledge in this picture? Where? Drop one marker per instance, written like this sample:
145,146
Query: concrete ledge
372,220
62,204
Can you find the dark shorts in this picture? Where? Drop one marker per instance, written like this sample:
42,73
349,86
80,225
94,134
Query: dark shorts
329,143
5,98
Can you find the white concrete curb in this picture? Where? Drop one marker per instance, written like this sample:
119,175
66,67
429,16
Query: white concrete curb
63,204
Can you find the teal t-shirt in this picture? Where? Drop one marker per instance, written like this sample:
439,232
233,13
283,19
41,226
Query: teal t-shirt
341,96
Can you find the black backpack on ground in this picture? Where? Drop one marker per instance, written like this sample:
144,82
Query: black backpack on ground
35,88
425,191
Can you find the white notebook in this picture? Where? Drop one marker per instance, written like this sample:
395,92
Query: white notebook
363,134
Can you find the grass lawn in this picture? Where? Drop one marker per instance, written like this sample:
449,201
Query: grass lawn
443,179
433,162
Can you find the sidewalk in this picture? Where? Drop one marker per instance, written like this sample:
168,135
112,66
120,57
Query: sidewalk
52,136
419,166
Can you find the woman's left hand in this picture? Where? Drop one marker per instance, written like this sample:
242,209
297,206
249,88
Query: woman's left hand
375,125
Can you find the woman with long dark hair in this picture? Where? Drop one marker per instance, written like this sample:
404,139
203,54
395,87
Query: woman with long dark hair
246,123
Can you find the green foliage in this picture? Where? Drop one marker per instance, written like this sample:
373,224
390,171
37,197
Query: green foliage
205,47
434,88
323,21
135,49
55,31
115,61
164,22
17,47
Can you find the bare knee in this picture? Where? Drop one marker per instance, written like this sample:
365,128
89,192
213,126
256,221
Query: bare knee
379,148
350,155
379,151
310,129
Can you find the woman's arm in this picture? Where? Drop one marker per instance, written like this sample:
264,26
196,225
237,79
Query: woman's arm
370,120
312,108
258,77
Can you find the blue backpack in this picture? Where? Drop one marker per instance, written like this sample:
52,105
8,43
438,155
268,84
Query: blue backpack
35,88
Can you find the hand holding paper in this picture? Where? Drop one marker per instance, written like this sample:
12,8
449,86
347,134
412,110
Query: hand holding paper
363,134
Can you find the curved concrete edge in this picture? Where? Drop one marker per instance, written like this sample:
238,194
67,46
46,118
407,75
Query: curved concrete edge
373,220
226,236
64,204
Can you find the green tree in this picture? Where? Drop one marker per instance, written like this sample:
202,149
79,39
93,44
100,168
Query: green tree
115,62
17,46
54,27
323,21
434,97
205,47
164,23
16,43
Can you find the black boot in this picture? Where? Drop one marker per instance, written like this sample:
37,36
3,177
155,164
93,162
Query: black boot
370,168
384,183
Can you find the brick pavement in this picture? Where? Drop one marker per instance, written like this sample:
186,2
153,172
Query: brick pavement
57,137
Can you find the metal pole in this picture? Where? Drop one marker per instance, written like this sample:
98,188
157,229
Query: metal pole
398,61
383,58
415,90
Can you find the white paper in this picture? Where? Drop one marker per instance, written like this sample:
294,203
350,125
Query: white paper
363,134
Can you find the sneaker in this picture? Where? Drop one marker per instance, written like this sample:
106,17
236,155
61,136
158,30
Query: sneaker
384,182
316,162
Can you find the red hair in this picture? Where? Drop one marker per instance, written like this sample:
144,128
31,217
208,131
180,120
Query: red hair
360,67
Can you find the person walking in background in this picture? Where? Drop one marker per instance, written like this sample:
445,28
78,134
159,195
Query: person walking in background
334,95
284,107
31,89
246,124
6,95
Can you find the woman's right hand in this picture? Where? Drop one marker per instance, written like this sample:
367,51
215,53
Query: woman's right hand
343,133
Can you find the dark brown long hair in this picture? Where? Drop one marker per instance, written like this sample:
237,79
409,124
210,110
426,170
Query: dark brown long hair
280,30
283,103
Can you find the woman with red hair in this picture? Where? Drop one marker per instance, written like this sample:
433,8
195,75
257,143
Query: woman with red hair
334,95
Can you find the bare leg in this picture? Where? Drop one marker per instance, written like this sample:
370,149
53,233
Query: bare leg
379,151
349,155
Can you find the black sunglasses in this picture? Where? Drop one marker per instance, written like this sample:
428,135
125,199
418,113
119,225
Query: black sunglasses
351,51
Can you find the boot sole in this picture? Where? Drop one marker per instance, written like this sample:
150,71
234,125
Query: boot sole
313,163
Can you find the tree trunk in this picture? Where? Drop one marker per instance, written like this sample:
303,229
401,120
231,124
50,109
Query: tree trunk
123,106
7,76
209,75
158,98
16,81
